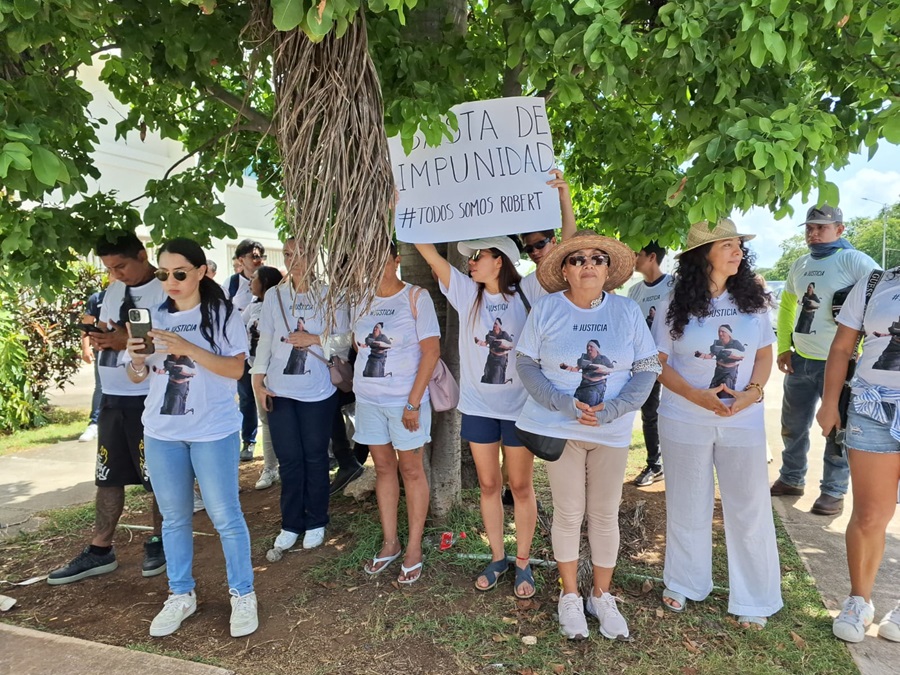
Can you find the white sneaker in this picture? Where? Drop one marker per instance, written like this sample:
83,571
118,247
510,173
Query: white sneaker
90,434
198,502
889,628
856,614
175,610
267,479
244,619
286,540
572,623
604,608
314,538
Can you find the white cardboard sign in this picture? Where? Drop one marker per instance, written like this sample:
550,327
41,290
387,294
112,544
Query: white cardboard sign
491,179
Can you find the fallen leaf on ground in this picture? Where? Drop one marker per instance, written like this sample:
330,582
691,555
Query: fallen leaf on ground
647,586
497,637
691,646
799,641
660,612
509,620
529,640
559,668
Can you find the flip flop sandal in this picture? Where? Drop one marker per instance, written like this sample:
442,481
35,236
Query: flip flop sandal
524,575
752,621
677,597
406,571
492,573
368,568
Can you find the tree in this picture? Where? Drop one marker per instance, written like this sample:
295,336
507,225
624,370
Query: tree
868,235
791,249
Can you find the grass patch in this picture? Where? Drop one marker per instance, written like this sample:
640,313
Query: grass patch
65,425
172,653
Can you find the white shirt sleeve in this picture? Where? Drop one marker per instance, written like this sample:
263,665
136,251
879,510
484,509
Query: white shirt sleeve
426,317
462,291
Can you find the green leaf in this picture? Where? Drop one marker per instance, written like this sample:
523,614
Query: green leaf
287,14
738,178
760,156
757,50
891,130
778,7
26,9
547,35
45,165
775,45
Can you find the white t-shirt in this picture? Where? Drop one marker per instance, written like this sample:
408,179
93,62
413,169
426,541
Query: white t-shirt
587,353
243,296
489,384
387,337
250,317
814,283
532,288
293,372
719,349
187,402
650,297
110,363
880,360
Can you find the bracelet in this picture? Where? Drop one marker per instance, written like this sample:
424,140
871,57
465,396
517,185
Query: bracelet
143,371
759,388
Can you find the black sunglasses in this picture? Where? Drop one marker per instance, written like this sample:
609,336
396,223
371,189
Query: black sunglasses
180,275
537,246
476,256
580,260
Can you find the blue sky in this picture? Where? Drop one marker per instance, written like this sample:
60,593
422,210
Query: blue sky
878,180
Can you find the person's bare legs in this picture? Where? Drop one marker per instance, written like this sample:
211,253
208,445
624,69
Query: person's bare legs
415,486
602,579
874,477
568,573
490,481
387,493
520,464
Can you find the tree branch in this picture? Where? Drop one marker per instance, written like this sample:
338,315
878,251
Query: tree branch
258,122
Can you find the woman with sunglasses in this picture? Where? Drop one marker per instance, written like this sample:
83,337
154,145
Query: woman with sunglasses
292,383
588,362
199,350
262,280
490,405
713,428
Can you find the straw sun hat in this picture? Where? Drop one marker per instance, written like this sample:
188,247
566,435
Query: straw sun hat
621,261
700,234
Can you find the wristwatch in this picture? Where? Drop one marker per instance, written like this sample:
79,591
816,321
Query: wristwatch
412,408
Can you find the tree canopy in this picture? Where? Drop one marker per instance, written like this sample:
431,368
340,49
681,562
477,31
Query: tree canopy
663,113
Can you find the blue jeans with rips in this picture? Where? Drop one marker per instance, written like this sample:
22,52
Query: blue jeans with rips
802,392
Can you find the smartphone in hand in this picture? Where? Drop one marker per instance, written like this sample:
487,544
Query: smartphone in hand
89,328
139,319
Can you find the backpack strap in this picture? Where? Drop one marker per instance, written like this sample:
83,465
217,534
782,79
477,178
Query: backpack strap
414,293
524,298
874,278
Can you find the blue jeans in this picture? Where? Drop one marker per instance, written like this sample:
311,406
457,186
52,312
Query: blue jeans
300,434
174,464
802,391
247,404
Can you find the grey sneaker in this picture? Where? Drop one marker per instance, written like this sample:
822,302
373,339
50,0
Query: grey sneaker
856,614
267,479
175,610
314,538
612,623
889,628
247,452
84,565
649,476
572,623
244,618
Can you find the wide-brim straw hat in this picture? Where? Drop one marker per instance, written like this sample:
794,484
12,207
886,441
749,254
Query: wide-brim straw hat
700,234
621,261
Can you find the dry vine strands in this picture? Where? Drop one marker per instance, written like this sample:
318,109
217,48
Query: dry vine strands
338,184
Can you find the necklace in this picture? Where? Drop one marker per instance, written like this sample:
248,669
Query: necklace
596,301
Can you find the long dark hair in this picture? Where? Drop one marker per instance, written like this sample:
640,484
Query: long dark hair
508,280
212,297
268,277
691,296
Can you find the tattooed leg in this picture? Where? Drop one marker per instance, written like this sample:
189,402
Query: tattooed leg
108,507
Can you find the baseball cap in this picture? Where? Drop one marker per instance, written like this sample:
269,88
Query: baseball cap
824,215
503,244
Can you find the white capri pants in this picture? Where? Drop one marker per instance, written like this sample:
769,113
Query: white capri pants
690,453
587,479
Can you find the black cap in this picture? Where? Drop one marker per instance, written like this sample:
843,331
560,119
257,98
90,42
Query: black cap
824,215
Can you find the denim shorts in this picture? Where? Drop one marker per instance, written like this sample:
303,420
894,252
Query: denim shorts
477,429
383,425
864,433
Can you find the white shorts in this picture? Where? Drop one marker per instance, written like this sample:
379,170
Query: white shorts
383,425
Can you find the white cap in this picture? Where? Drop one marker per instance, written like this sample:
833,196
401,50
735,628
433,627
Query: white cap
504,244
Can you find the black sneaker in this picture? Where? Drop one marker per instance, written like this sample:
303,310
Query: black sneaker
154,557
649,476
85,565
343,478
247,452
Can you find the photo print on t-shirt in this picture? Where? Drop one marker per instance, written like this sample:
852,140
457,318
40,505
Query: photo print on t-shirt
594,368
651,315
809,303
499,344
890,357
296,363
728,354
180,370
378,345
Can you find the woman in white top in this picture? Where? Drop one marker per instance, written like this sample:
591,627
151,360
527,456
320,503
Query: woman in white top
588,362
192,429
262,280
715,344
872,439
398,338
292,382
491,317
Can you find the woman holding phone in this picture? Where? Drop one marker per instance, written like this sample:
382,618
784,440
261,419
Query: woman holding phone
192,428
